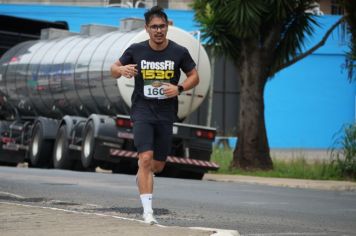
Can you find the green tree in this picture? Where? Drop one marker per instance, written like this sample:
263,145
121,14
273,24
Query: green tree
350,9
261,37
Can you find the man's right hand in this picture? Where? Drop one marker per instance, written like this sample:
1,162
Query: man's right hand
118,70
128,71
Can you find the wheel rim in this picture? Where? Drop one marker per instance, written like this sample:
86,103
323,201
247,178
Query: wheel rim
87,144
59,148
35,144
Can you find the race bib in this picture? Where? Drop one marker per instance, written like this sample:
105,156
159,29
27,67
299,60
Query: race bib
154,89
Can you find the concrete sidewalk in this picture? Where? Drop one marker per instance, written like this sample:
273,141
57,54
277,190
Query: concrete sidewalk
21,219
284,182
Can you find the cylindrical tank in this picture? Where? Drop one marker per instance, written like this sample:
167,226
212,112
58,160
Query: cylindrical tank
71,75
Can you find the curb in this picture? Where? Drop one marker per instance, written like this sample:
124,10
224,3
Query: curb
330,185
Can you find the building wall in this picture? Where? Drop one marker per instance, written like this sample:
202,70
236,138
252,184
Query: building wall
326,6
58,2
180,4
330,7
308,103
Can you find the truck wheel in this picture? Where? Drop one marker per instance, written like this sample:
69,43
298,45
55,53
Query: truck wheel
88,147
39,148
61,158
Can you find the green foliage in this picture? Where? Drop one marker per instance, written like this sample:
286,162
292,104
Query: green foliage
350,8
298,168
276,25
344,158
293,34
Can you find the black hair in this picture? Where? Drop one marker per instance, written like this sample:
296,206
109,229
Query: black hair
155,11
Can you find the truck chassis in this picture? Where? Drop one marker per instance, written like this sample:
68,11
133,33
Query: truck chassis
82,144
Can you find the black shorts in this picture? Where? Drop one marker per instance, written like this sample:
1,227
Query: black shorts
156,137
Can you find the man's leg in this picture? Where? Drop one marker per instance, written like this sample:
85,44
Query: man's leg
157,166
144,174
143,138
147,167
145,185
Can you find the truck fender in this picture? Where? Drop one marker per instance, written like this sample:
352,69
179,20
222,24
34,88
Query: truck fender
103,125
71,123
49,127
97,127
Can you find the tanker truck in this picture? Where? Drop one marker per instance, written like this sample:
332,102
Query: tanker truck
60,108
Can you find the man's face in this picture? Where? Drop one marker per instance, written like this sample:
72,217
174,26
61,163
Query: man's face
157,30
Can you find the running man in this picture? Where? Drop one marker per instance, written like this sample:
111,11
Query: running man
156,65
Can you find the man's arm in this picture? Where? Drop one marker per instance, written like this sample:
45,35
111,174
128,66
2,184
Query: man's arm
191,81
118,70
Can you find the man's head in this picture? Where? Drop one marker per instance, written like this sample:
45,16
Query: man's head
156,24
155,11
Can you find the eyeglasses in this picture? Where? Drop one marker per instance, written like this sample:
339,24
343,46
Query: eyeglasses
156,27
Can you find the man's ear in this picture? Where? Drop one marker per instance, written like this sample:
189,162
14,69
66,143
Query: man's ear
146,28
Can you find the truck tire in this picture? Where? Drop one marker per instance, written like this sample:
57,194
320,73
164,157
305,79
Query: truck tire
88,147
61,158
40,149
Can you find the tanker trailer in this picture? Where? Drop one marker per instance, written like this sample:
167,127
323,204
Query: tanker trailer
61,108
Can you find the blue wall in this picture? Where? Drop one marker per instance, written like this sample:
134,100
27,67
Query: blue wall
308,103
77,16
305,104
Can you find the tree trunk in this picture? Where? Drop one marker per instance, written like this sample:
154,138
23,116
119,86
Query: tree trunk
252,150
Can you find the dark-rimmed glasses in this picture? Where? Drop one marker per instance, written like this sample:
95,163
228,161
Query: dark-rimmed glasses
156,27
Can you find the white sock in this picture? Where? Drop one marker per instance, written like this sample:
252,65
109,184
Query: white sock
146,200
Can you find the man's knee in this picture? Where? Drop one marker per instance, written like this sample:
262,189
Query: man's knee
145,160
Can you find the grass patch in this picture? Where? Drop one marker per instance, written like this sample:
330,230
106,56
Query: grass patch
297,168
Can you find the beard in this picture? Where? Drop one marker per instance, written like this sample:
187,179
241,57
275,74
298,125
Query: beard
159,38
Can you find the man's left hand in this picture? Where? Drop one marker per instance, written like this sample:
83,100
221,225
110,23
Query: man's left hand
170,90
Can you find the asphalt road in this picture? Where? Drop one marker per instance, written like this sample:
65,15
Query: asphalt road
251,209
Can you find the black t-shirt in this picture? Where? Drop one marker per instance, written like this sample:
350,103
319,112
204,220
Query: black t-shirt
155,67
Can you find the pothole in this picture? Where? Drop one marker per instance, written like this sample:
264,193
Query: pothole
132,210
21,199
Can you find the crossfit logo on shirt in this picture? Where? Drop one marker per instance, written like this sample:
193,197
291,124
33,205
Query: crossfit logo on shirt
157,70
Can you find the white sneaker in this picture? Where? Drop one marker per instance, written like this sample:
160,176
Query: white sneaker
148,218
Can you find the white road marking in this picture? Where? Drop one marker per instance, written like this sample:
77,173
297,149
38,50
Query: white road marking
285,233
92,205
218,232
